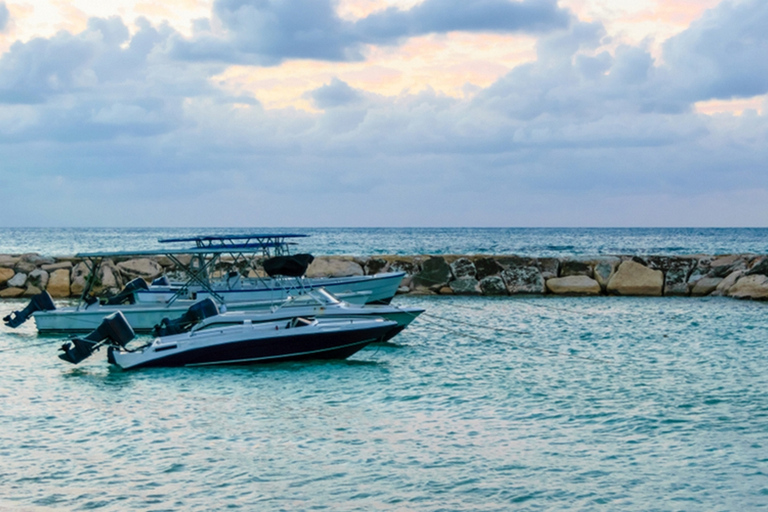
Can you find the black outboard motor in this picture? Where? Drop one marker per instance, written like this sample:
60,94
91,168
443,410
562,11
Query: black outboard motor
198,311
40,302
291,266
161,281
114,329
126,294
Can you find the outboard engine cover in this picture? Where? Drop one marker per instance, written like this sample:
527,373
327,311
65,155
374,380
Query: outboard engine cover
40,302
198,311
126,294
114,328
161,281
291,266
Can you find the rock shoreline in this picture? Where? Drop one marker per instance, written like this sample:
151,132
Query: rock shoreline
742,276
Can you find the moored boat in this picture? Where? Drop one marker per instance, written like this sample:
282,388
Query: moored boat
244,343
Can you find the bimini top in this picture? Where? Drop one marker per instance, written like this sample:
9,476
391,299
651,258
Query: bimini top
268,245
271,239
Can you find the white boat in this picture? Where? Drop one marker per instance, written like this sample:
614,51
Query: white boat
148,316
313,304
244,343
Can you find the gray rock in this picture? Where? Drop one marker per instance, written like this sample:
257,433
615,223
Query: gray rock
493,285
603,269
485,267
549,267
759,267
38,278
435,273
56,266
410,267
463,268
375,266
576,268
465,286
705,286
77,278
18,280
573,285
676,275
524,280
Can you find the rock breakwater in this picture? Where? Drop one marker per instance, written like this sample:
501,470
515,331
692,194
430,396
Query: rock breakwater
742,276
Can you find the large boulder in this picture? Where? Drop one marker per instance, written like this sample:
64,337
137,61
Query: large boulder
485,267
375,266
527,279
144,268
632,278
77,278
50,267
465,286
759,267
493,285
603,269
334,267
576,268
109,280
463,268
58,283
29,262
435,273
549,267
727,282
573,285
31,290
17,281
12,292
753,286
38,278
6,260
409,266
677,270
705,286
5,275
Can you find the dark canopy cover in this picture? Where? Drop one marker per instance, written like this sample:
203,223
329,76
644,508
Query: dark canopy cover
291,266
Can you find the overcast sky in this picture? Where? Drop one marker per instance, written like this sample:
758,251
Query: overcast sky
272,113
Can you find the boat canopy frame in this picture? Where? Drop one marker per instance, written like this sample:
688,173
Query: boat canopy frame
207,252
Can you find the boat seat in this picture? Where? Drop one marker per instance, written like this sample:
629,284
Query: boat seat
299,322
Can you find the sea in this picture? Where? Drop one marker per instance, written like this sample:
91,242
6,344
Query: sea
482,404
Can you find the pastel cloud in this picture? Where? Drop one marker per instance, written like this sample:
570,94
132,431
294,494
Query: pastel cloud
267,32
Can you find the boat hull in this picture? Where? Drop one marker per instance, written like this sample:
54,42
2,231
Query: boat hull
378,289
251,344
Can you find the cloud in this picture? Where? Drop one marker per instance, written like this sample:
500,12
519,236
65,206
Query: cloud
5,16
723,54
335,94
267,32
99,84
109,120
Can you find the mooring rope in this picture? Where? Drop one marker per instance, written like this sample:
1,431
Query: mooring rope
20,347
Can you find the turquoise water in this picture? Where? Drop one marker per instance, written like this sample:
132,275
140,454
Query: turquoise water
605,403
409,241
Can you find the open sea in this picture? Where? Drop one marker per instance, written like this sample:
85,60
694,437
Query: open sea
482,404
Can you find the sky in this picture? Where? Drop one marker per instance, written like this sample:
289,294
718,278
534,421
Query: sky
367,113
